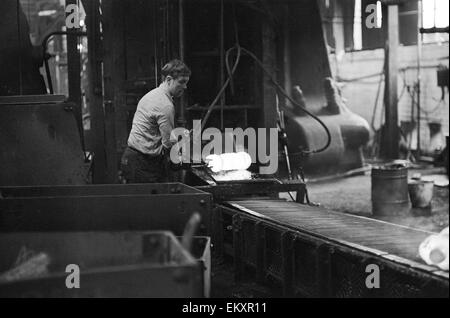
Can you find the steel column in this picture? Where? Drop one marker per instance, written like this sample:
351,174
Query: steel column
392,133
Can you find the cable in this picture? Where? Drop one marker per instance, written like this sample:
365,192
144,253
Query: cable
222,90
231,71
291,196
425,111
282,91
402,92
434,109
357,79
236,38
375,108
412,95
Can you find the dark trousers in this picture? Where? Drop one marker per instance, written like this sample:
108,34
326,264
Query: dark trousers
140,168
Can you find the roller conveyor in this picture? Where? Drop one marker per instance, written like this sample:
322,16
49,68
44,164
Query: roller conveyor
386,237
314,252
309,251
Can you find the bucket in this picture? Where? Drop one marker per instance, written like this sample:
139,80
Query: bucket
390,190
421,193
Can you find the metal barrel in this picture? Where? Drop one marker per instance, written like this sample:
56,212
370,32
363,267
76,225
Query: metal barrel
390,191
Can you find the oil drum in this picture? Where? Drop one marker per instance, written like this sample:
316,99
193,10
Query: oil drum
390,190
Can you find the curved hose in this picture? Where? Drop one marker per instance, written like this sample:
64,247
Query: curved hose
282,91
230,75
240,49
225,85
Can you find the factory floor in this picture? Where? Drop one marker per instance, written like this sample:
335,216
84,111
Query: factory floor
348,195
353,195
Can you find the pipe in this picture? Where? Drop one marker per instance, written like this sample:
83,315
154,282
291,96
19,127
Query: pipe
182,53
47,56
155,41
20,49
419,57
222,77
286,54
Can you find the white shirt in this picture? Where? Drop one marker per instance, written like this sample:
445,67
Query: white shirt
153,122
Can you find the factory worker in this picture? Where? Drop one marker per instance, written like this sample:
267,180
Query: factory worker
145,160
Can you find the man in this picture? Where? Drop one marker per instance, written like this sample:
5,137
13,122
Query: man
145,158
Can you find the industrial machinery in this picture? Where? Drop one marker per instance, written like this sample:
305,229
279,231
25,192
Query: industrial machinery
348,131
114,264
100,227
118,207
41,142
308,251
304,251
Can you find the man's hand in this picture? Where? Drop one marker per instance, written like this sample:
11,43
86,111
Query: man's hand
165,152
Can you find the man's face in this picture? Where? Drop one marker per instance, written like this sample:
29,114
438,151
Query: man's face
178,85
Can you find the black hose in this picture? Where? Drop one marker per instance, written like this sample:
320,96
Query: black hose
283,92
222,90
240,49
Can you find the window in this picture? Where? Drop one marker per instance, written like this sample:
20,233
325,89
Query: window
435,15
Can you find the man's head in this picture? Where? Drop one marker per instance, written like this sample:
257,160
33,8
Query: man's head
176,76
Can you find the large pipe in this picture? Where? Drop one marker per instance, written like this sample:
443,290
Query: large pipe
392,132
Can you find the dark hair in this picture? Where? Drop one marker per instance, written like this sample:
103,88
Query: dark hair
175,68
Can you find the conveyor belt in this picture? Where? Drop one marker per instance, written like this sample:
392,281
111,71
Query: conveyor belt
386,237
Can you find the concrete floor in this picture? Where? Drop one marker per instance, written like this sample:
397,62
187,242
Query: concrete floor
353,195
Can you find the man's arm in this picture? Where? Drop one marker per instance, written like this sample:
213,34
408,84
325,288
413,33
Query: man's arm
166,125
